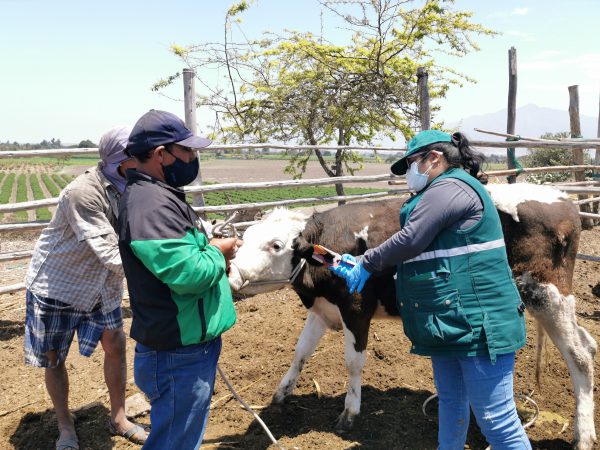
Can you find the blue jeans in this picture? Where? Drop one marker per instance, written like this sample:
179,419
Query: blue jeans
179,384
488,389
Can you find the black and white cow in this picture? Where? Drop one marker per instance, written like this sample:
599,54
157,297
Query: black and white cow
541,228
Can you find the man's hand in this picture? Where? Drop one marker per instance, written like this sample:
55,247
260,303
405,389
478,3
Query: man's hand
227,246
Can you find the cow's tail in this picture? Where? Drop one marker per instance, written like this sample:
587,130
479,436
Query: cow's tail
540,360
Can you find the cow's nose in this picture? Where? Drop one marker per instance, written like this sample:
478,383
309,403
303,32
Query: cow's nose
234,277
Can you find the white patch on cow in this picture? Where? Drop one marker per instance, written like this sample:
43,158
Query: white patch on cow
363,234
328,312
313,331
557,315
507,197
267,251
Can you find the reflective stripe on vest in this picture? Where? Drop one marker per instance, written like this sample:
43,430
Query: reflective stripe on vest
456,251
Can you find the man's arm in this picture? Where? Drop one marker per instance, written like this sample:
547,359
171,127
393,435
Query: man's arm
182,259
87,218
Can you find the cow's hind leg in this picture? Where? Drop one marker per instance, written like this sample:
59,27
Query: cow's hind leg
313,331
556,313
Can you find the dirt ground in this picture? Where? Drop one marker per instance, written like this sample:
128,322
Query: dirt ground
257,352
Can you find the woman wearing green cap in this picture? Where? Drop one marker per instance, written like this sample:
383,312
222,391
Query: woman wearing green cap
454,288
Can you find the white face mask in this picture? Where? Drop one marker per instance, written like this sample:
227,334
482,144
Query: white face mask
416,181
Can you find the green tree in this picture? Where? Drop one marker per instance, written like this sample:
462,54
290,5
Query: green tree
86,143
545,157
302,88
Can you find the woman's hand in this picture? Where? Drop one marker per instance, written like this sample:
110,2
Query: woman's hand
355,277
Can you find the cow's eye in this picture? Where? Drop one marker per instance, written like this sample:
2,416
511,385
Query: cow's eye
277,245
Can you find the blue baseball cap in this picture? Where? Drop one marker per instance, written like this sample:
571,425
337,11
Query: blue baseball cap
416,145
157,128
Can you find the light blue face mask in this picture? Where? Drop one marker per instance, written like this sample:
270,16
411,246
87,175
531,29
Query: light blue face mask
417,181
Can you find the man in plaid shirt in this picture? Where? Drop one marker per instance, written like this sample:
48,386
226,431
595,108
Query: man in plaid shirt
75,283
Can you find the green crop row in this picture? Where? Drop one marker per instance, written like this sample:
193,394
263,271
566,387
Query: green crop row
21,216
7,188
38,194
271,195
59,180
54,191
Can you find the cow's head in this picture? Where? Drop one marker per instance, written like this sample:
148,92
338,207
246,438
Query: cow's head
267,252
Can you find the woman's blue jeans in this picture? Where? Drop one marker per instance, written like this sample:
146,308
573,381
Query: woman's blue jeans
488,389
179,384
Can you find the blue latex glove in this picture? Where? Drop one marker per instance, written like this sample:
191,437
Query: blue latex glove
342,269
355,277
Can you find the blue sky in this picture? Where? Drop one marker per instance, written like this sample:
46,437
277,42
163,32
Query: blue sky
72,69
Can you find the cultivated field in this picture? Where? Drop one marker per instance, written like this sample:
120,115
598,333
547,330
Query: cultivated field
256,354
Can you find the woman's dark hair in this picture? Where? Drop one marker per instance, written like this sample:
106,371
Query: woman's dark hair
459,153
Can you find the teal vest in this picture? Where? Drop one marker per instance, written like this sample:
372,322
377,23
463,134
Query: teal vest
458,297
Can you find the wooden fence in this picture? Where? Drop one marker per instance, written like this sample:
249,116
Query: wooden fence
586,187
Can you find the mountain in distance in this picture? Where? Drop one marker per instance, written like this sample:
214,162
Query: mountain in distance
532,121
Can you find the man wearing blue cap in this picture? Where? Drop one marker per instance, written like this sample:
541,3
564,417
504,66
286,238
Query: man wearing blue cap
75,284
454,288
177,282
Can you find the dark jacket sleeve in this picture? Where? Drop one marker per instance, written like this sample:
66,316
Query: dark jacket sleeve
447,203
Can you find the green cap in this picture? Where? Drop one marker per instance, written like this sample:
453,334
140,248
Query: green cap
420,141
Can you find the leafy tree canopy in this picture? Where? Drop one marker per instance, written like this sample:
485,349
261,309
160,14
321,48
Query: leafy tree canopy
300,87
545,157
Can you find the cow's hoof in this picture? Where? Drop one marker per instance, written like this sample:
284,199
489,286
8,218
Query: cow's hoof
345,421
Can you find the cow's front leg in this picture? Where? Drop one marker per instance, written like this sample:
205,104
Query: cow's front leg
355,355
313,331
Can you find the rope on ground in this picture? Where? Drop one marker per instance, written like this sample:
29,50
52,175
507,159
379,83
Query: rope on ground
588,257
250,410
525,398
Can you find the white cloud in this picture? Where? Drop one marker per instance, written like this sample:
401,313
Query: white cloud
521,34
587,64
519,11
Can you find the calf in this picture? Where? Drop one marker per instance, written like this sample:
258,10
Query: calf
541,229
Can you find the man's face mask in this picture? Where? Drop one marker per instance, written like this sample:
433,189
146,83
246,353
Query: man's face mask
181,173
417,181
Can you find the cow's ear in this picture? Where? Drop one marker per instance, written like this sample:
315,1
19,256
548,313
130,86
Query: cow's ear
304,249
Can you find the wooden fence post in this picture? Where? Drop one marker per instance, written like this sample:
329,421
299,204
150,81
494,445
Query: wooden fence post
424,110
511,109
189,102
578,153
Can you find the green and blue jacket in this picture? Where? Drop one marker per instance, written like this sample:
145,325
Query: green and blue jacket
177,282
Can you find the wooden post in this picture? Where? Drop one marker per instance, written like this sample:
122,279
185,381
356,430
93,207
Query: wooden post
189,102
424,110
578,153
512,108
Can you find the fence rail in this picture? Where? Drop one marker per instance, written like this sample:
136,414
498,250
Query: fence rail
579,188
523,143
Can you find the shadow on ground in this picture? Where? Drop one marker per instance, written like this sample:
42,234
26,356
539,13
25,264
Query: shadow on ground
38,430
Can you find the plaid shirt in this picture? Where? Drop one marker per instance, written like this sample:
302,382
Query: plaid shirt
76,259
